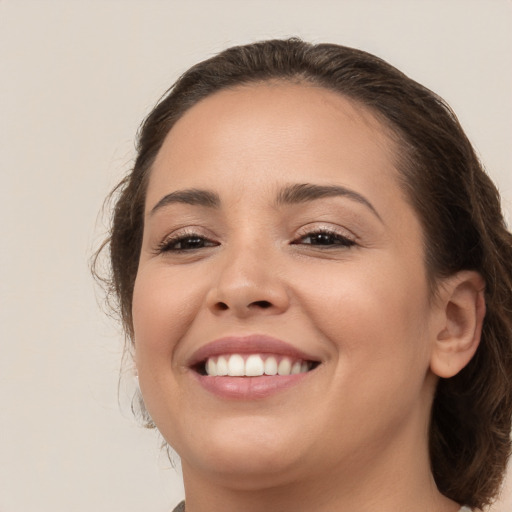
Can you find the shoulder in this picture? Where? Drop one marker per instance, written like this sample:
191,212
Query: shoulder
181,507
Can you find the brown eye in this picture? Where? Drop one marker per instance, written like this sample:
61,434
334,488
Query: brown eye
325,239
186,243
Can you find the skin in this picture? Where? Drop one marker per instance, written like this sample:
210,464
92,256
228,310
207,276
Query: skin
352,435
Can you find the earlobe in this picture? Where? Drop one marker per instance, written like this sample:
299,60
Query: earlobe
462,304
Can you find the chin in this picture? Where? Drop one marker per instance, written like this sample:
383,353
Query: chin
244,455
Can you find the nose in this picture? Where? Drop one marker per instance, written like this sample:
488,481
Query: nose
248,283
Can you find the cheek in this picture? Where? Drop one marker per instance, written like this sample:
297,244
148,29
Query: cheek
372,314
164,305
374,319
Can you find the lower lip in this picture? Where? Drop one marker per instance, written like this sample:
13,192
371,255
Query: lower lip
249,388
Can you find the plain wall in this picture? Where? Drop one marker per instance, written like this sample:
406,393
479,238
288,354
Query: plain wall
76,78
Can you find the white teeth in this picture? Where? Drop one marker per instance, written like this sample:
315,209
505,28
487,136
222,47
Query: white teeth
236,366
254,365
285,367
211,367
271,366
222,366
296,367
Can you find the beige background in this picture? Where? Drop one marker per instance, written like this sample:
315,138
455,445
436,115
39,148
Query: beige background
76,79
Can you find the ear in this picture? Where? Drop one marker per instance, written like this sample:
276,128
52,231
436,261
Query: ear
462,310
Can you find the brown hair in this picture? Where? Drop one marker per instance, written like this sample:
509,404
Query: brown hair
457,203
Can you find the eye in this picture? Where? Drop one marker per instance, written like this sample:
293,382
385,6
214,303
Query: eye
325,238
185,242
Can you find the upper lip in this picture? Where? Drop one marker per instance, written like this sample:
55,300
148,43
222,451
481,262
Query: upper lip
252,344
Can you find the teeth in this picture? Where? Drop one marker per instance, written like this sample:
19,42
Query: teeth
285,367
271,366
236,366
254,365
222,366
296,367
211,368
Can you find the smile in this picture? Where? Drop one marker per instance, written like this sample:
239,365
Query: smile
250,367
254,365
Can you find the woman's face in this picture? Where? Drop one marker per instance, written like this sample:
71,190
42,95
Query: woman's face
277,238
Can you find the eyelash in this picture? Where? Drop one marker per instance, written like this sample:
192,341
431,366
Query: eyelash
339,240
167,244
336,240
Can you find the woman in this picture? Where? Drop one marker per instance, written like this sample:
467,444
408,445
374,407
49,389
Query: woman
314,276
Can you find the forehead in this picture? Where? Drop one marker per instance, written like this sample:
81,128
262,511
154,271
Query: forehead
264,132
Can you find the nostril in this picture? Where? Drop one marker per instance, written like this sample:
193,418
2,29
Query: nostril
257,304
264,304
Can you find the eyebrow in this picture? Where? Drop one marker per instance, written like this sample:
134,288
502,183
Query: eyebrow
192,196
304,192
291,194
